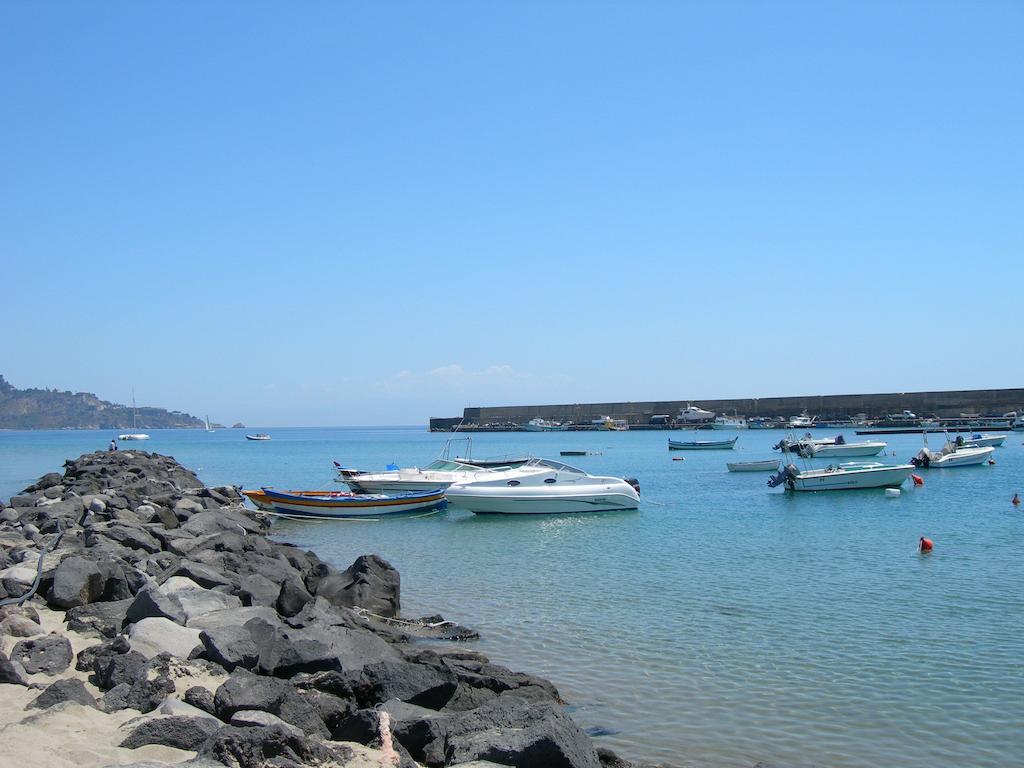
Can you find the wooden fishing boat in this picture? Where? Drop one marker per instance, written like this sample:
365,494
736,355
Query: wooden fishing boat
770,465
339,504
701,445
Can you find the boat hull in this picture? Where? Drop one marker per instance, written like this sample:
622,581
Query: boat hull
137,436
985,442
702,445
849,450
963,458
753,466
336,506
845,480
482,503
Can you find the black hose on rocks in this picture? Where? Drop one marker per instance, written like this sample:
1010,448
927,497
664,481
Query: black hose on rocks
39,566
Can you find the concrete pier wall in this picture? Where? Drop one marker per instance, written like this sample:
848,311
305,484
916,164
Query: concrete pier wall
942,404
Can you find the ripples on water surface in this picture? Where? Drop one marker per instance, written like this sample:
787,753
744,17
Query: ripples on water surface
722,624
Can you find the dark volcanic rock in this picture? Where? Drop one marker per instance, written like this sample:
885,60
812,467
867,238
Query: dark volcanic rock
114,669
69,689
50,654
270,746
244,690
370,583
230,647
255,589
103,618
9,673
203,575
201,698
150,601
508,730
425,685
174,731
77,581
292,597
143,695
286,652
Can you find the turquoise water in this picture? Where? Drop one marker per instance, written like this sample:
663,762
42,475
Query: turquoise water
723,623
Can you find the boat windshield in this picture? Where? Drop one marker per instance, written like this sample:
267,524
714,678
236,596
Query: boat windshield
552,464
446,465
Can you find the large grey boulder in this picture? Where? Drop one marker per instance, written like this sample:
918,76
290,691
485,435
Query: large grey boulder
155,635
114,669
200,574
143,695
172,731
68,689
233,617
251,718
132,537
50,654
244,690
151,601
426,685
370,582
256,589
77,581
285,652
508,730
230,646
292,597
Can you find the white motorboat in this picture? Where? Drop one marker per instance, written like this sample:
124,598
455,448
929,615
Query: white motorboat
726,422
842,477
543,425
803,421
977,440
693,414
440,473
544,487
790,444
842,449
769,465
258,436
952,455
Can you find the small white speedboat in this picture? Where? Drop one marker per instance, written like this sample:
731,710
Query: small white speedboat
753,466
843,477
258,436
544,487
134,436
978,440
952,455
841,448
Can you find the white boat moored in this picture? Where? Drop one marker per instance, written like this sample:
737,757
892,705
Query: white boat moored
769,465
544,487
841,448
843,477
952,455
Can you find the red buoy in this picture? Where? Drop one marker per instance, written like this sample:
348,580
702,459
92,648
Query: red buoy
918,480
926,544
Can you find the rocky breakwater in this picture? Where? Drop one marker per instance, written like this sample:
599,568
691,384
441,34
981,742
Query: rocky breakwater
144,616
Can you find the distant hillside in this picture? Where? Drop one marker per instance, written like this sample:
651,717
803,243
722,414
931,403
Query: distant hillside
50,409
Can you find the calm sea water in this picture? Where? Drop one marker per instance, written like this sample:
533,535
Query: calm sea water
723,623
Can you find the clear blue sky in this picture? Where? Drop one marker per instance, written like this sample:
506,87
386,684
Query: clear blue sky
372,213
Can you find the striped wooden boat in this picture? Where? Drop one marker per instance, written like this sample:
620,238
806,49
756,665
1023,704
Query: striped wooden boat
339,504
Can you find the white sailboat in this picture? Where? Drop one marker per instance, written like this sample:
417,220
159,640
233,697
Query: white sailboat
134,434
208,427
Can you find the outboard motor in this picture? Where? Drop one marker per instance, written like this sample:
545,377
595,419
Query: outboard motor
784,474
840,440
635,483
